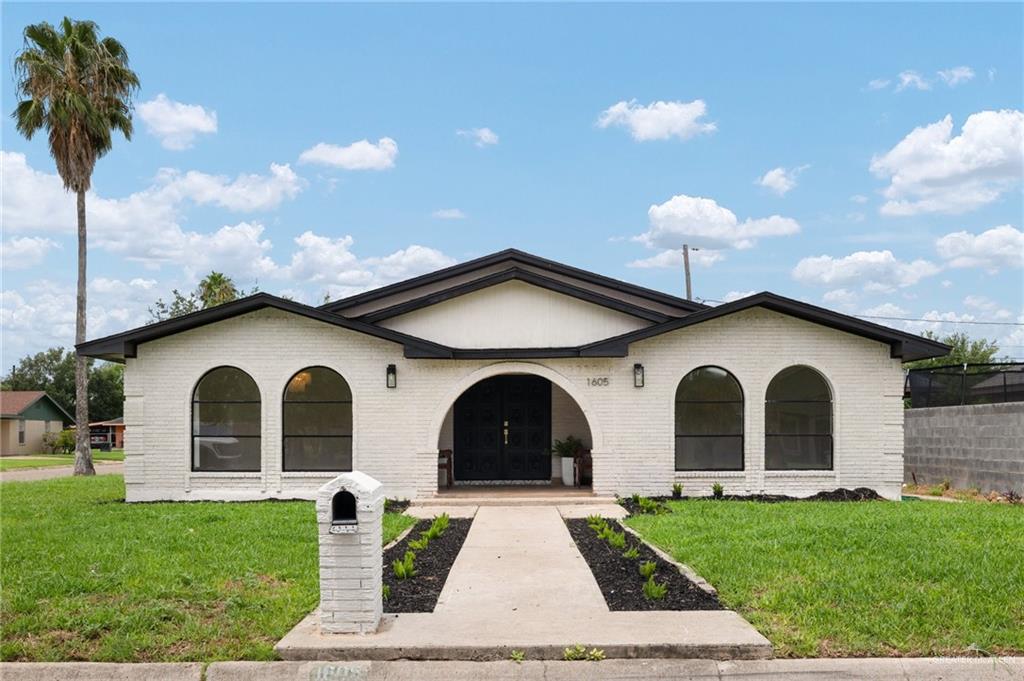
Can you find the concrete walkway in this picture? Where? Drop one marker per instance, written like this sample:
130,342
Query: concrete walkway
903,669
27,474
519,583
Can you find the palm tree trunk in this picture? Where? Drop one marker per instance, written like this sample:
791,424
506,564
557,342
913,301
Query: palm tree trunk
83,452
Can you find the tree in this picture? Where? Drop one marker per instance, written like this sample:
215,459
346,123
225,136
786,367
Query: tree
963,350
214,289
53,371
78,87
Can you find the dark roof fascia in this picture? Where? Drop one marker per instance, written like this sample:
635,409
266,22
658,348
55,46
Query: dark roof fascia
512,254
902,345
118,346
515,274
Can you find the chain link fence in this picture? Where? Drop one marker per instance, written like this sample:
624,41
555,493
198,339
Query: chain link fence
965,384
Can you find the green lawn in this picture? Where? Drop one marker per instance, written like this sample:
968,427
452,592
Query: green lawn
47,460
859,579
84,576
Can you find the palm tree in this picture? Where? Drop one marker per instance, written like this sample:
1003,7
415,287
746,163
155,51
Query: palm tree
215,289
78,88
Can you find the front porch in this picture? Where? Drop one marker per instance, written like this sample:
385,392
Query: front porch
555,494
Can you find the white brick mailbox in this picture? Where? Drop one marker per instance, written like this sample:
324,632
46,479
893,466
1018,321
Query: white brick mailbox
349,516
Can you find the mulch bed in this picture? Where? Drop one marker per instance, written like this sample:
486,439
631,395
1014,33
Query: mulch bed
396,505
840,494
620,580
420,593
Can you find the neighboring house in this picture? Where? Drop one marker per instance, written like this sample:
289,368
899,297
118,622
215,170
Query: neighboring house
27,416
494,359
107,435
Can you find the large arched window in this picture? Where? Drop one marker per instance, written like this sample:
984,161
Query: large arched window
709,421
226,422
317,422
798,421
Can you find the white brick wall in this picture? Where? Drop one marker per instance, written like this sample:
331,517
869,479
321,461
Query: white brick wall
397,431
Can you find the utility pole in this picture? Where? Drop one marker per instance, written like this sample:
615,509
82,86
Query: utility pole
686,267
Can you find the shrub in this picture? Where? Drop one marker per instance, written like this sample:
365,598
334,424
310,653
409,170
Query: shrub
596,522
652,507
677,490
654,591
647,569
717,490
633,552
59,443
616,540
405,568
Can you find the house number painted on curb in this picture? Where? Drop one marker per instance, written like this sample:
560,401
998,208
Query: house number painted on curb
599,382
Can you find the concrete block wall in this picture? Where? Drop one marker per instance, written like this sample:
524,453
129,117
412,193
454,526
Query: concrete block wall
971,446
397,431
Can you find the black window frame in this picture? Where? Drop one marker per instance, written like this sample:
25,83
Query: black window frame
743,430
284,431
192,422
831,421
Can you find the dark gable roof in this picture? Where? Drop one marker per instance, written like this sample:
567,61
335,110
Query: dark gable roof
121,345
903,345
515,273
513,256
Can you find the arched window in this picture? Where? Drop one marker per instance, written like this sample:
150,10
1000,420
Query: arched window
317,422
798,421
226,422
709,421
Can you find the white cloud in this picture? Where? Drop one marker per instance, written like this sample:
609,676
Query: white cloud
841,297
658,120
993,249
449,214
245,193
885,310
930,171
956,75
946,283
876,271
21,253
673,259
878,84
482,137
176,124
859,198
912,80
780,180
703,223
361,155
736,295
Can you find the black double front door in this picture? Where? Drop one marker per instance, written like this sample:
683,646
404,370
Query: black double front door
503,430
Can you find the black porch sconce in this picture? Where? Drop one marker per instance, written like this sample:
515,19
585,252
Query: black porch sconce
392,380
638,375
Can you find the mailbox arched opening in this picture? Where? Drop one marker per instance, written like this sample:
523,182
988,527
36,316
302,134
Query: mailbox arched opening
343,508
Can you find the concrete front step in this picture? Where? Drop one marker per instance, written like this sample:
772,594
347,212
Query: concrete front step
512,500
708,634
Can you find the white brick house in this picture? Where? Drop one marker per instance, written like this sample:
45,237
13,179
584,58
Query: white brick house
495,359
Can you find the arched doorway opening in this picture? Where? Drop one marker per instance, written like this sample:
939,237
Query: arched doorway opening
501,430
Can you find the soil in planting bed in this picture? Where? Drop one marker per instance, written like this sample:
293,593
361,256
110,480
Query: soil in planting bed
420,593
840,494
620,580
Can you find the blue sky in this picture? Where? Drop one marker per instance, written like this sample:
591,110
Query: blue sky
866,158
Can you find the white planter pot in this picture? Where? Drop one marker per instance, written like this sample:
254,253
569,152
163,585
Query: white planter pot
567,471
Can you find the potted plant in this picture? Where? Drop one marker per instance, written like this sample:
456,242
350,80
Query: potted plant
568,449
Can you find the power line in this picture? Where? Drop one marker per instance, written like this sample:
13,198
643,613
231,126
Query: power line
939,321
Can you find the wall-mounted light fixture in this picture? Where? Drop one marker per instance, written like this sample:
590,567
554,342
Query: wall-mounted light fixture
392,376
638,375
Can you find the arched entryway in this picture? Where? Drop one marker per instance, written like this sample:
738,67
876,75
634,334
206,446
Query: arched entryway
502,429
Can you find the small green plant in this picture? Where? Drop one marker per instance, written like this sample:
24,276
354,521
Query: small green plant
595,655
437,528
677,491
595,522
635,497
616,540
652,507
404,568
717,490
385,592
517,656
576,652
419,544
568,447
633,552
647,569
936,491
654,591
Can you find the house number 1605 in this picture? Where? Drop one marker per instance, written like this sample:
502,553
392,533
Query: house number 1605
598,382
